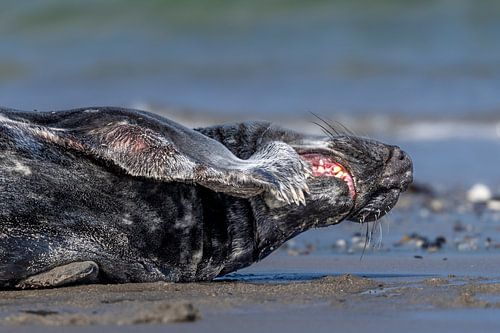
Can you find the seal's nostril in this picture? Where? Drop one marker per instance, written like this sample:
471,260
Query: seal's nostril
395,154
398,154
402,155
398,171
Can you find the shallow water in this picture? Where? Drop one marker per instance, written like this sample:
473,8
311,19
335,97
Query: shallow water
455,163
259,57
307,276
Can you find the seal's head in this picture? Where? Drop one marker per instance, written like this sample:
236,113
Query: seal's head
354,178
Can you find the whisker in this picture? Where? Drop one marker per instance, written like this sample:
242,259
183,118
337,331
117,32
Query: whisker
387,218
345,128
325,130
366,242
369,234
329,130
326,123
380,235
346,131
328,133
373,230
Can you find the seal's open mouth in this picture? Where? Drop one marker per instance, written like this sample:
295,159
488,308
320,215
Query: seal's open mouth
324,166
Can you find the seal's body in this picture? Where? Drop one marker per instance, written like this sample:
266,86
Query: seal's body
117,195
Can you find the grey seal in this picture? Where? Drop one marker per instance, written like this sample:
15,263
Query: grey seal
115,195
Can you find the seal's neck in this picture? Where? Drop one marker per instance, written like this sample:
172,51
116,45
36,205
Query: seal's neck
274,226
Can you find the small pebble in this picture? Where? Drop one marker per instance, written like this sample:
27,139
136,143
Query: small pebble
488,243
494,204
460,227
468,243
358,242
436,205
340,244
436,245
413,239
479,193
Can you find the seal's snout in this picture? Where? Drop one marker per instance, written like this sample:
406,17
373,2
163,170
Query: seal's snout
398,170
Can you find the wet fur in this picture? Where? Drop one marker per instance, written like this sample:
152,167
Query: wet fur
148,199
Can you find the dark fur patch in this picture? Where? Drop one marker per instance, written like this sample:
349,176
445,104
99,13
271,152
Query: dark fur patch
147,199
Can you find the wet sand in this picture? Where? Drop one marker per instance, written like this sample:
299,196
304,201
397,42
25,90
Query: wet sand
311,293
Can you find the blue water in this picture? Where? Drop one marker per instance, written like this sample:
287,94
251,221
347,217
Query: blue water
264,56
306,276
455,163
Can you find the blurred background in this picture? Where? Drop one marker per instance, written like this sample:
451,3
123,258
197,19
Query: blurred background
423,74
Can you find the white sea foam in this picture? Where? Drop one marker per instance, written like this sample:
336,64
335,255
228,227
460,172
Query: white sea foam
428,130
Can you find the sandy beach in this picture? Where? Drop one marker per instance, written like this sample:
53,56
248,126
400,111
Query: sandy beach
393,293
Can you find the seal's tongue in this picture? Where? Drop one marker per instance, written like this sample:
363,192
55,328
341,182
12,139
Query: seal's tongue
324,166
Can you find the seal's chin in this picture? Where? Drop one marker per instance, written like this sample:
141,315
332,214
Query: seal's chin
377,206
325,166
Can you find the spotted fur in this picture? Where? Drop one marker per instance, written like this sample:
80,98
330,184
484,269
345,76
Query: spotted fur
147,199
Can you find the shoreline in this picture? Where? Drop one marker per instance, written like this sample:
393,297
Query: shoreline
390,292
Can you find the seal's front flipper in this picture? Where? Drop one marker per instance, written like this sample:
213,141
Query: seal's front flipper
172,152
275,169
80,272
289,172
150,146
